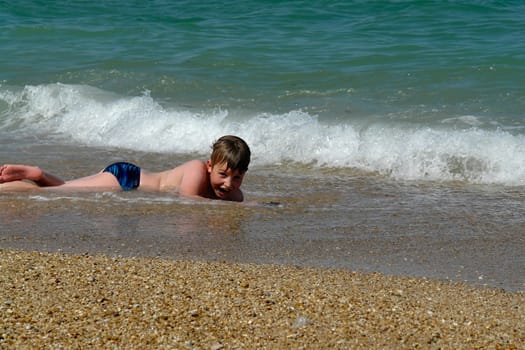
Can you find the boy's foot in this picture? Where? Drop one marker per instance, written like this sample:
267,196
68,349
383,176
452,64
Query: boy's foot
15,172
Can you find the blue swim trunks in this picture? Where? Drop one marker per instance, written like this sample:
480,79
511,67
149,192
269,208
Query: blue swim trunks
127,174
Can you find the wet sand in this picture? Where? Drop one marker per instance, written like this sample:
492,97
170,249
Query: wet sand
96,301
412,241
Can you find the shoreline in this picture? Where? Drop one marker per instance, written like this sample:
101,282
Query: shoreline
99,301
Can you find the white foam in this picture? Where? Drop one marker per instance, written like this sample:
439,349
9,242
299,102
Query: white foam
95,117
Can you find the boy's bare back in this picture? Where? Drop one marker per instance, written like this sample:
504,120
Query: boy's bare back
189,179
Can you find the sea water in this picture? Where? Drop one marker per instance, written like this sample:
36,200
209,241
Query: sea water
386,135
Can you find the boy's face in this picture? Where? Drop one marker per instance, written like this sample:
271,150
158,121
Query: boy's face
224,181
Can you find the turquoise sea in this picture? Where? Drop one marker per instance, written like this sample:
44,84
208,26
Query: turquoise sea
391,133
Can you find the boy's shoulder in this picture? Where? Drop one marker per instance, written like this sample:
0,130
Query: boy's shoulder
194,166
193,177
179,176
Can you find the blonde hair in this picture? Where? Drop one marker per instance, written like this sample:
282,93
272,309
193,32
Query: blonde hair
233,151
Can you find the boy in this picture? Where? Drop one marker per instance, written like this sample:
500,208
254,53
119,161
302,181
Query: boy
218,178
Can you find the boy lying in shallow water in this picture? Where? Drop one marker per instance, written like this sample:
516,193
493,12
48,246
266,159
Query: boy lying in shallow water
218,178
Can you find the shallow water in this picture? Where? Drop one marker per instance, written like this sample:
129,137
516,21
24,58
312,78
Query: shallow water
292,215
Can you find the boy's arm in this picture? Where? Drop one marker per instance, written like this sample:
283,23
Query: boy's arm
238,196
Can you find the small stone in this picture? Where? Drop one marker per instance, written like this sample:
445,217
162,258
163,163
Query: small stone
301,321
216,346
194,313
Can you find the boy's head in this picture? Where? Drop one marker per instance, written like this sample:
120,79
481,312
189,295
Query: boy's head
232,151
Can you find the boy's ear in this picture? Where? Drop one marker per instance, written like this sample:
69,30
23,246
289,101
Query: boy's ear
208,165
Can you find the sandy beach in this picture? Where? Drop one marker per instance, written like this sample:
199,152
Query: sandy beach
94,301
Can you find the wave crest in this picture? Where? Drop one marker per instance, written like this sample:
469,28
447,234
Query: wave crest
98,118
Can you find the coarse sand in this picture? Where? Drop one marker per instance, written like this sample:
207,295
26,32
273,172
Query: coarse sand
61,301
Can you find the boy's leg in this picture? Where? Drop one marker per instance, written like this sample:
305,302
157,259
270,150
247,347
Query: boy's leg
16,172
101,180
17,185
